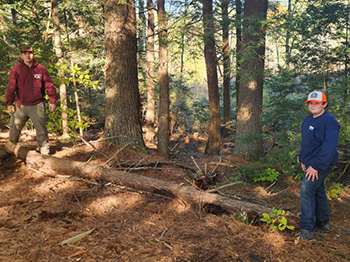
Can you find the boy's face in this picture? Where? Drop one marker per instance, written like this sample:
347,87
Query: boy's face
316,108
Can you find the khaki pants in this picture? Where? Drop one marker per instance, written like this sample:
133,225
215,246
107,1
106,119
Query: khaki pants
37,114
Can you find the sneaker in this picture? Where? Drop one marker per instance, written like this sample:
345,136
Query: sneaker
45,150
5,155
306,234
45,153
324,228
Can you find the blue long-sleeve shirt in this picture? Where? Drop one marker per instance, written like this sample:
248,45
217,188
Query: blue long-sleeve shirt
319,141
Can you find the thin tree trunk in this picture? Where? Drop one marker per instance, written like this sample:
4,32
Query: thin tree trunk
289,8
13,12
346,78
14,18
76,97
59,55
213,143
288,44
183,35
227,67
47,27
163,123
123,107
238,46
249,107
150,113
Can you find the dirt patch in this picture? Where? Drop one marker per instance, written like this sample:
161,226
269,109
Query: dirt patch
38,212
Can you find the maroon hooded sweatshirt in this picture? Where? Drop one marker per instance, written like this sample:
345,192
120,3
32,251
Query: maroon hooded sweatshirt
27,85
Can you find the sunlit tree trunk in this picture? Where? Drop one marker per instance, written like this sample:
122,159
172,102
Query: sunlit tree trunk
227,67
150,76
59,54
123,107
76,97
249,108
213,143
163,122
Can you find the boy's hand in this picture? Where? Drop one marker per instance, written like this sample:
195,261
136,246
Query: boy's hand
303,167
311,173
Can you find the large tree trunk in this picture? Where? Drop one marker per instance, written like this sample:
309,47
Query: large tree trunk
213,144
249,107
163,122
187,194
150,76
59,54
227,66
123,107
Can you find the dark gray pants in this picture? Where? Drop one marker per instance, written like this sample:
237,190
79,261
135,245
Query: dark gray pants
37,114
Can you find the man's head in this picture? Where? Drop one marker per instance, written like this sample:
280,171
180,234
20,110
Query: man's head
317,103
27,55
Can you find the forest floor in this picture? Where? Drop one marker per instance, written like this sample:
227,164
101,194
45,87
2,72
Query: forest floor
39,211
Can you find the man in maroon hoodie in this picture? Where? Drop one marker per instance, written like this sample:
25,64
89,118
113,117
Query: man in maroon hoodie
25,97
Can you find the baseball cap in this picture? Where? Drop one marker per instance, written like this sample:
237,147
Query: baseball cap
316,96
26,48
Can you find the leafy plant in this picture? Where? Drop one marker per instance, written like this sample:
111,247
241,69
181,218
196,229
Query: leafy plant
334,191
299,176
54,123
258,172
269,174
276,219
243,217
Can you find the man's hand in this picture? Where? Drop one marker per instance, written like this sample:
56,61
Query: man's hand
11,109
311,173
52,107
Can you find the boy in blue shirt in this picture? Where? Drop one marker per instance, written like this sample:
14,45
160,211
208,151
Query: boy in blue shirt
318,153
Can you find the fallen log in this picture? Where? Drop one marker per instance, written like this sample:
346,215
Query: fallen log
187,194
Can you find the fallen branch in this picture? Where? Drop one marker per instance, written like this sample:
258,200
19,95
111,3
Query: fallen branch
77,238
223,186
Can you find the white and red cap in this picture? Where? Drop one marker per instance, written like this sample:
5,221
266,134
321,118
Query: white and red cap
316,96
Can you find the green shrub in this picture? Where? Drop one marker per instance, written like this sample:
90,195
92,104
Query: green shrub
276,219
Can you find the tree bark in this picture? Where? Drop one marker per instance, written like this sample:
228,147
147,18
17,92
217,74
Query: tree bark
163,122
150,76
141,45
187,194
238,45
213,143
227,67
249,107
123,107
59,54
